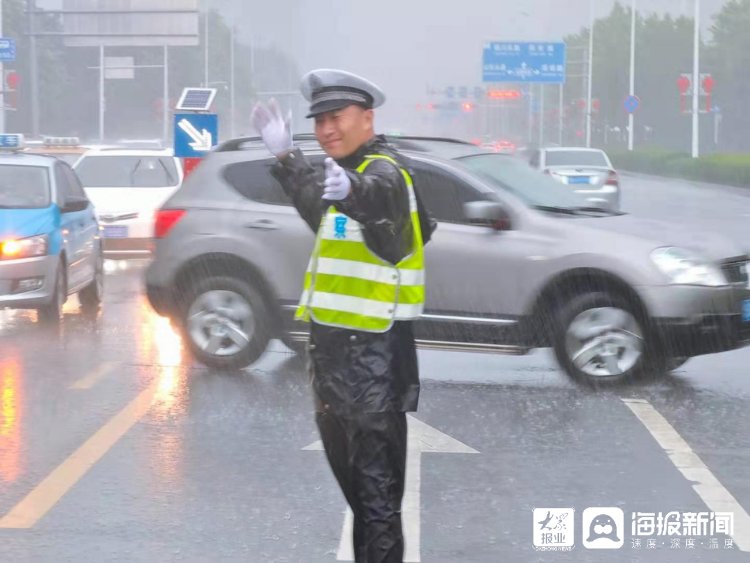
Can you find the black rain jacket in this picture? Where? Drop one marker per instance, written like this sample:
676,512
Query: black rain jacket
355,371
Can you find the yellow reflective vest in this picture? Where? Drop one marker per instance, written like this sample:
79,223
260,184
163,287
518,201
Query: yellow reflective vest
347,285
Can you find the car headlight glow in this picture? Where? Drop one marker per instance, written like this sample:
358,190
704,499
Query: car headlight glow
685,267
14,249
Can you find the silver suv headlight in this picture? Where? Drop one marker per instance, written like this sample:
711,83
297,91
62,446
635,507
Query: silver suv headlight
14,249
685,267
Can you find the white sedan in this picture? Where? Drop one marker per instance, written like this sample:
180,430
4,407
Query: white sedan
588,172
127,187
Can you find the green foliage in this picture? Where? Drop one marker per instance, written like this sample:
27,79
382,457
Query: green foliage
729,58
731,169
663,51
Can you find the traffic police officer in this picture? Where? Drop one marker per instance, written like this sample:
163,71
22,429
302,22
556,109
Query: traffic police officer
363,288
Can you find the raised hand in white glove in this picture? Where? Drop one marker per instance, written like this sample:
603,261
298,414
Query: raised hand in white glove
337,184
275,131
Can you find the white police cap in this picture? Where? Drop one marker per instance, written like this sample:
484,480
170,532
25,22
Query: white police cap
329,89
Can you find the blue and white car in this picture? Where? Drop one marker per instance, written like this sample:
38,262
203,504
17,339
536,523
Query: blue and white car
50,246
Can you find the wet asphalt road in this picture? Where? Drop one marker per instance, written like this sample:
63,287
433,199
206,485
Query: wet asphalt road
116,446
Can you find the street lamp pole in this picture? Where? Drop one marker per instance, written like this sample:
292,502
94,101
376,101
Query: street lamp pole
696,75
631,118
205,45
2,75
231,81
33,70
590,73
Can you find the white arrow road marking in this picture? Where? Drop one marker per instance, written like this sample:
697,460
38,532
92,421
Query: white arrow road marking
201,140
708,487
421,438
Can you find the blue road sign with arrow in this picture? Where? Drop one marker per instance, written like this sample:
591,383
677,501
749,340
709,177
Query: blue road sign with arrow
195,134
631,103
520,61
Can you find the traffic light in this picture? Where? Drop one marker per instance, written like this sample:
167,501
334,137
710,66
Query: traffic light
467,106
10,80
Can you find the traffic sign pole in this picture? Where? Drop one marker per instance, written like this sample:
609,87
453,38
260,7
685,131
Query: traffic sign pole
541,115
560,118
530,117
696,75
2,75
165,94
101,93
632,74
590,73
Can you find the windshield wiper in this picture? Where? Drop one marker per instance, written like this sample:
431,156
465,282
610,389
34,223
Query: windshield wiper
594,209
171,178
132,173
555,209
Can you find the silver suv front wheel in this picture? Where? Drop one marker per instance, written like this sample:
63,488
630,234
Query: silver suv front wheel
599,339
604,341
226,323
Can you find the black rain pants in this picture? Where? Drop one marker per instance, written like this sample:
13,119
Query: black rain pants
367,453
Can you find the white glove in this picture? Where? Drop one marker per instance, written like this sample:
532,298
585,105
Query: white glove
338,185
275,131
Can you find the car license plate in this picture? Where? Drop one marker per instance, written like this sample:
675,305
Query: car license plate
115,231
578,179
746,311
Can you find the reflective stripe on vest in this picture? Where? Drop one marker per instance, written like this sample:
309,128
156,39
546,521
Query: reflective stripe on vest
349,286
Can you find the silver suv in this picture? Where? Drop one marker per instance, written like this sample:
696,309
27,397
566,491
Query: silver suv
518,261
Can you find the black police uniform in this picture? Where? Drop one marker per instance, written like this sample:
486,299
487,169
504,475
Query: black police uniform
364,382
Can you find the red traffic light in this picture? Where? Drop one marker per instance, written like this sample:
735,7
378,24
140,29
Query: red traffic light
683,83
467,106
12,79
708,84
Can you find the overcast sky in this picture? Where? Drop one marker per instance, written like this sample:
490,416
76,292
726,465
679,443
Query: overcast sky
406,46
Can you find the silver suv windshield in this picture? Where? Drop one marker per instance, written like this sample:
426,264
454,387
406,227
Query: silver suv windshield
24,187
511,175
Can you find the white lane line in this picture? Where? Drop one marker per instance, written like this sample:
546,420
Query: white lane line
93,377
708,487
345,551
410,512
421,438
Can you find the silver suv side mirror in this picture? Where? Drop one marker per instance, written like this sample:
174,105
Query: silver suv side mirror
489,213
